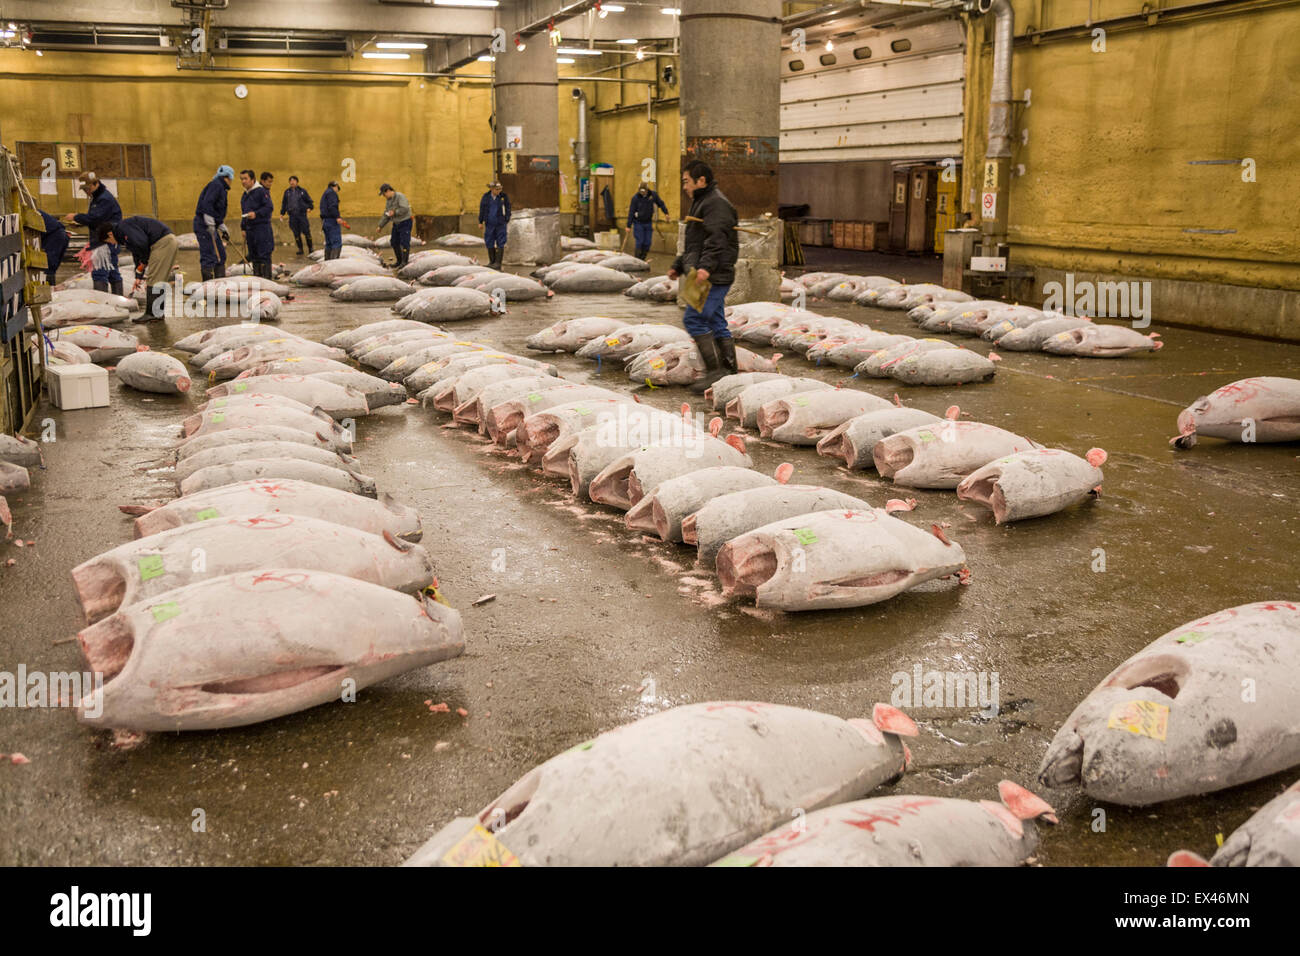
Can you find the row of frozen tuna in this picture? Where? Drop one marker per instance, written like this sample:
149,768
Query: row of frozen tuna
742,783
665,472
1023,328
247,296
275,582
17,456
187,241
592,270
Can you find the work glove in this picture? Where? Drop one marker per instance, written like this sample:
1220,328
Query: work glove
223,232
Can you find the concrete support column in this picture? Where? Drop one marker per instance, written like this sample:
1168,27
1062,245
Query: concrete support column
527,90
731,96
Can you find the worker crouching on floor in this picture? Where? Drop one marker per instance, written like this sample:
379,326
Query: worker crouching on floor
257,209
709,259
210,224
494,217
153,247
397,213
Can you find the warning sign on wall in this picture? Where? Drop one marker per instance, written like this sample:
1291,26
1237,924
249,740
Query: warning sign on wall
989,206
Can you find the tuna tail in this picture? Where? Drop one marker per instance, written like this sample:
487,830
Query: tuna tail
1186,858
136,510
1096,457
1025,804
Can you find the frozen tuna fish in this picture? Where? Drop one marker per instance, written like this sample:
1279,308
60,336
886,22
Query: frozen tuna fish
247,469
502,418
729,386
631,339
188,462
907,830
229,364
381,354
831,559
153,372
374,389
288,496
448,274
744,407
101,343
1031,337
454,365
802,419
583,456
943,367
346,339
535,434
1101,341
256,432
681,787
940,456
879,364
854,441
296,366
371,289
1173,721
446,305
856,349
238,416
1264,409
142,569
511,288
680,364
475,409
405,365
1029,484
1270,838
13,478
255,645
589,278
324,273
213,342
662,510
627,479
254,399
18,450
569,335
67,353
449,393
338,401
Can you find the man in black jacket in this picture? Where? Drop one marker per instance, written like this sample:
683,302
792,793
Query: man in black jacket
711,250
296,203
153,247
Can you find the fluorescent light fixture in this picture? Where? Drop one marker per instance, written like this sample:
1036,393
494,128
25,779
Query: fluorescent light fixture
640,54
671,11
565,59
6,34
612,8
465,3
385,56
578,51
487,59
829,46
394,45
629,40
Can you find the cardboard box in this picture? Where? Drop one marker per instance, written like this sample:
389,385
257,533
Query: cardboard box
875,235
77,386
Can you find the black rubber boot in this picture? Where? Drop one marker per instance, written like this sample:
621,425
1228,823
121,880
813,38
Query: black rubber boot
300,248
708,347
219,271
207,274
100,286
116,286
727,353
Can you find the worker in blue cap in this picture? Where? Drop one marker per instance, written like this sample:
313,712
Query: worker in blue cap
210,226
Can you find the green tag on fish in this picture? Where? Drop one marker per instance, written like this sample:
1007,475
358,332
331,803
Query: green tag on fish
218,418
534,397
241,387
801,401
219,403
585,745
206,513
805,535
165,611
925,436
1192,637
737,859
151,566
583,410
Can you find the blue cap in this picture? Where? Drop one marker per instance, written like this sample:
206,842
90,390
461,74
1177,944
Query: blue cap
225,171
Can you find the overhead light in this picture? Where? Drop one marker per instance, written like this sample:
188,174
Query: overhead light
578,51
39,53
629,40
12,26
613,8
393,45
829,46
487,59
385,56
6,34
671,11
465,3
565,59
640,54
519,43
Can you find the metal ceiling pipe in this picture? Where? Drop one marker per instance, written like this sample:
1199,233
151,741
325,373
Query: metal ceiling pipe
582,146
1000,100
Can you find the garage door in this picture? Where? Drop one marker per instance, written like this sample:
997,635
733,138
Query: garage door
893,94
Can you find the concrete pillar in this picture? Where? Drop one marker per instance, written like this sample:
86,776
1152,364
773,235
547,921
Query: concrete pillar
731,96
527,90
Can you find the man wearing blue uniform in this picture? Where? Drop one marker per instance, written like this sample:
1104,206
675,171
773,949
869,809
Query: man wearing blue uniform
640,218
210,226
103,210
54,245
296,203
494,217
257,210
330,220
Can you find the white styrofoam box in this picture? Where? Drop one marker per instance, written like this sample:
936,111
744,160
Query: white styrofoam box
988,263
78,386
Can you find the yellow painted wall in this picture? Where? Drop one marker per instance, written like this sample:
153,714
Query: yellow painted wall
1108,184
427,136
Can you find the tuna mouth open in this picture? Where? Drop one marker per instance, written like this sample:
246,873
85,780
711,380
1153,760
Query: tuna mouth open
640,517
987,492
510,805
613,489
467,412
533,440
733,409
100,589
835,444
743,569
445,401
770,419
1163,673
688,531
500,422
891,457
269,683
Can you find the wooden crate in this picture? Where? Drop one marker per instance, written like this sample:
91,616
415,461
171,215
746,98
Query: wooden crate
816,232
875,235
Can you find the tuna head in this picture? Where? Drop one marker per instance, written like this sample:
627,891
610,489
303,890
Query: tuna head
627,479
1033,483
1269,838
681,787
1171,721
255,645
1264,409
855,440
940,456
831,559
662,510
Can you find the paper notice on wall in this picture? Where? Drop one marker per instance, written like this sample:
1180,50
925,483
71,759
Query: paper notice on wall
514,137
110,185
49,187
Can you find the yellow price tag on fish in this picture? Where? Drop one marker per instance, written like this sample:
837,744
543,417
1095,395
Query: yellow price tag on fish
1144,717
611,341
479,847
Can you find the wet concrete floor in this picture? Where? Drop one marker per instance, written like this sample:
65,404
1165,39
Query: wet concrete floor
593,626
